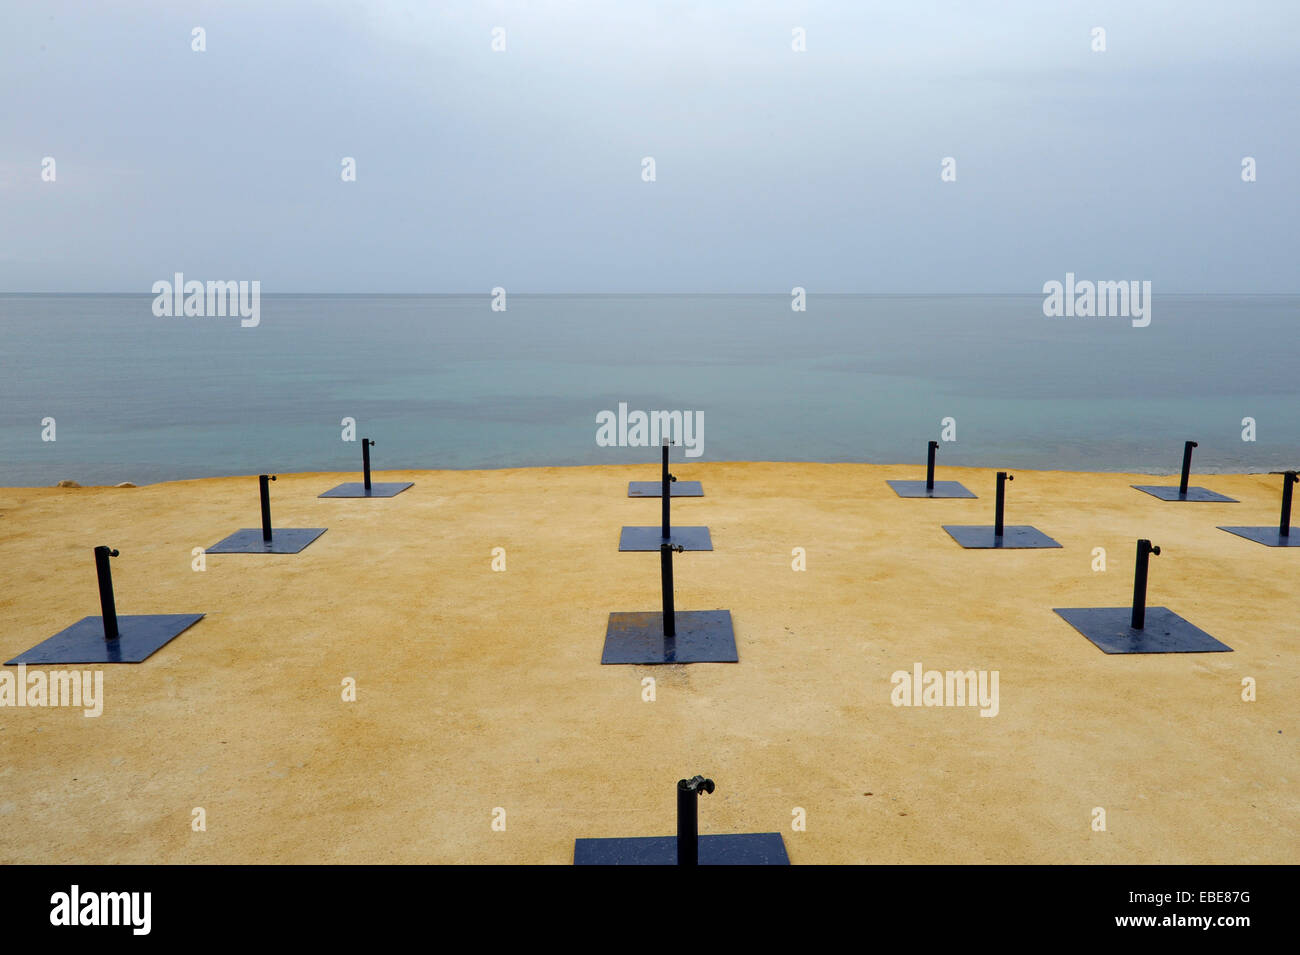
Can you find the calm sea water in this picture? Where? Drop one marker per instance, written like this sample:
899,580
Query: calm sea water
444,382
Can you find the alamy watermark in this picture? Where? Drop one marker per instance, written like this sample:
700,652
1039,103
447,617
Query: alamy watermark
194,299
83,688
1088,299
946,688
642,429
76,907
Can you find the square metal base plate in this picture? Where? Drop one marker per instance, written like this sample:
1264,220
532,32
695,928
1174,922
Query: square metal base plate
1269,536
941,489
1165,631
377,489
656,489
1193,494
703,636
1014,536
139,637
284,540
648,538
751,848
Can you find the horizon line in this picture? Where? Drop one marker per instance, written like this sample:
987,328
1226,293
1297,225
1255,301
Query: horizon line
151,294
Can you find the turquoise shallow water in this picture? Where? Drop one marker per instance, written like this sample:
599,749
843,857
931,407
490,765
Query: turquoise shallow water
444,382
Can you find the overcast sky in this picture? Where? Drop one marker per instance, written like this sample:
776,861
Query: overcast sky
774,168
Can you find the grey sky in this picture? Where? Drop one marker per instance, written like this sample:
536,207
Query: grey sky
775,168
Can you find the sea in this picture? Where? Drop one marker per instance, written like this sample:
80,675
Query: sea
98,389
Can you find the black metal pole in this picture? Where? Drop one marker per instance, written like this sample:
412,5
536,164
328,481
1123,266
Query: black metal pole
1187,467
365,460
666,522
107,605
1144,551
1288,478
1000,503
265,490
688,824
688,818
929,466
666,581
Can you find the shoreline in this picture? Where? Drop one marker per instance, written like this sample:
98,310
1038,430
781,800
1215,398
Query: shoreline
651,466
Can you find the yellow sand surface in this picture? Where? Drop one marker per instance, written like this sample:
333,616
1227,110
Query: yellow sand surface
481,690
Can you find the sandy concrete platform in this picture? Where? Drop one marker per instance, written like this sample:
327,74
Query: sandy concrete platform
479,689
